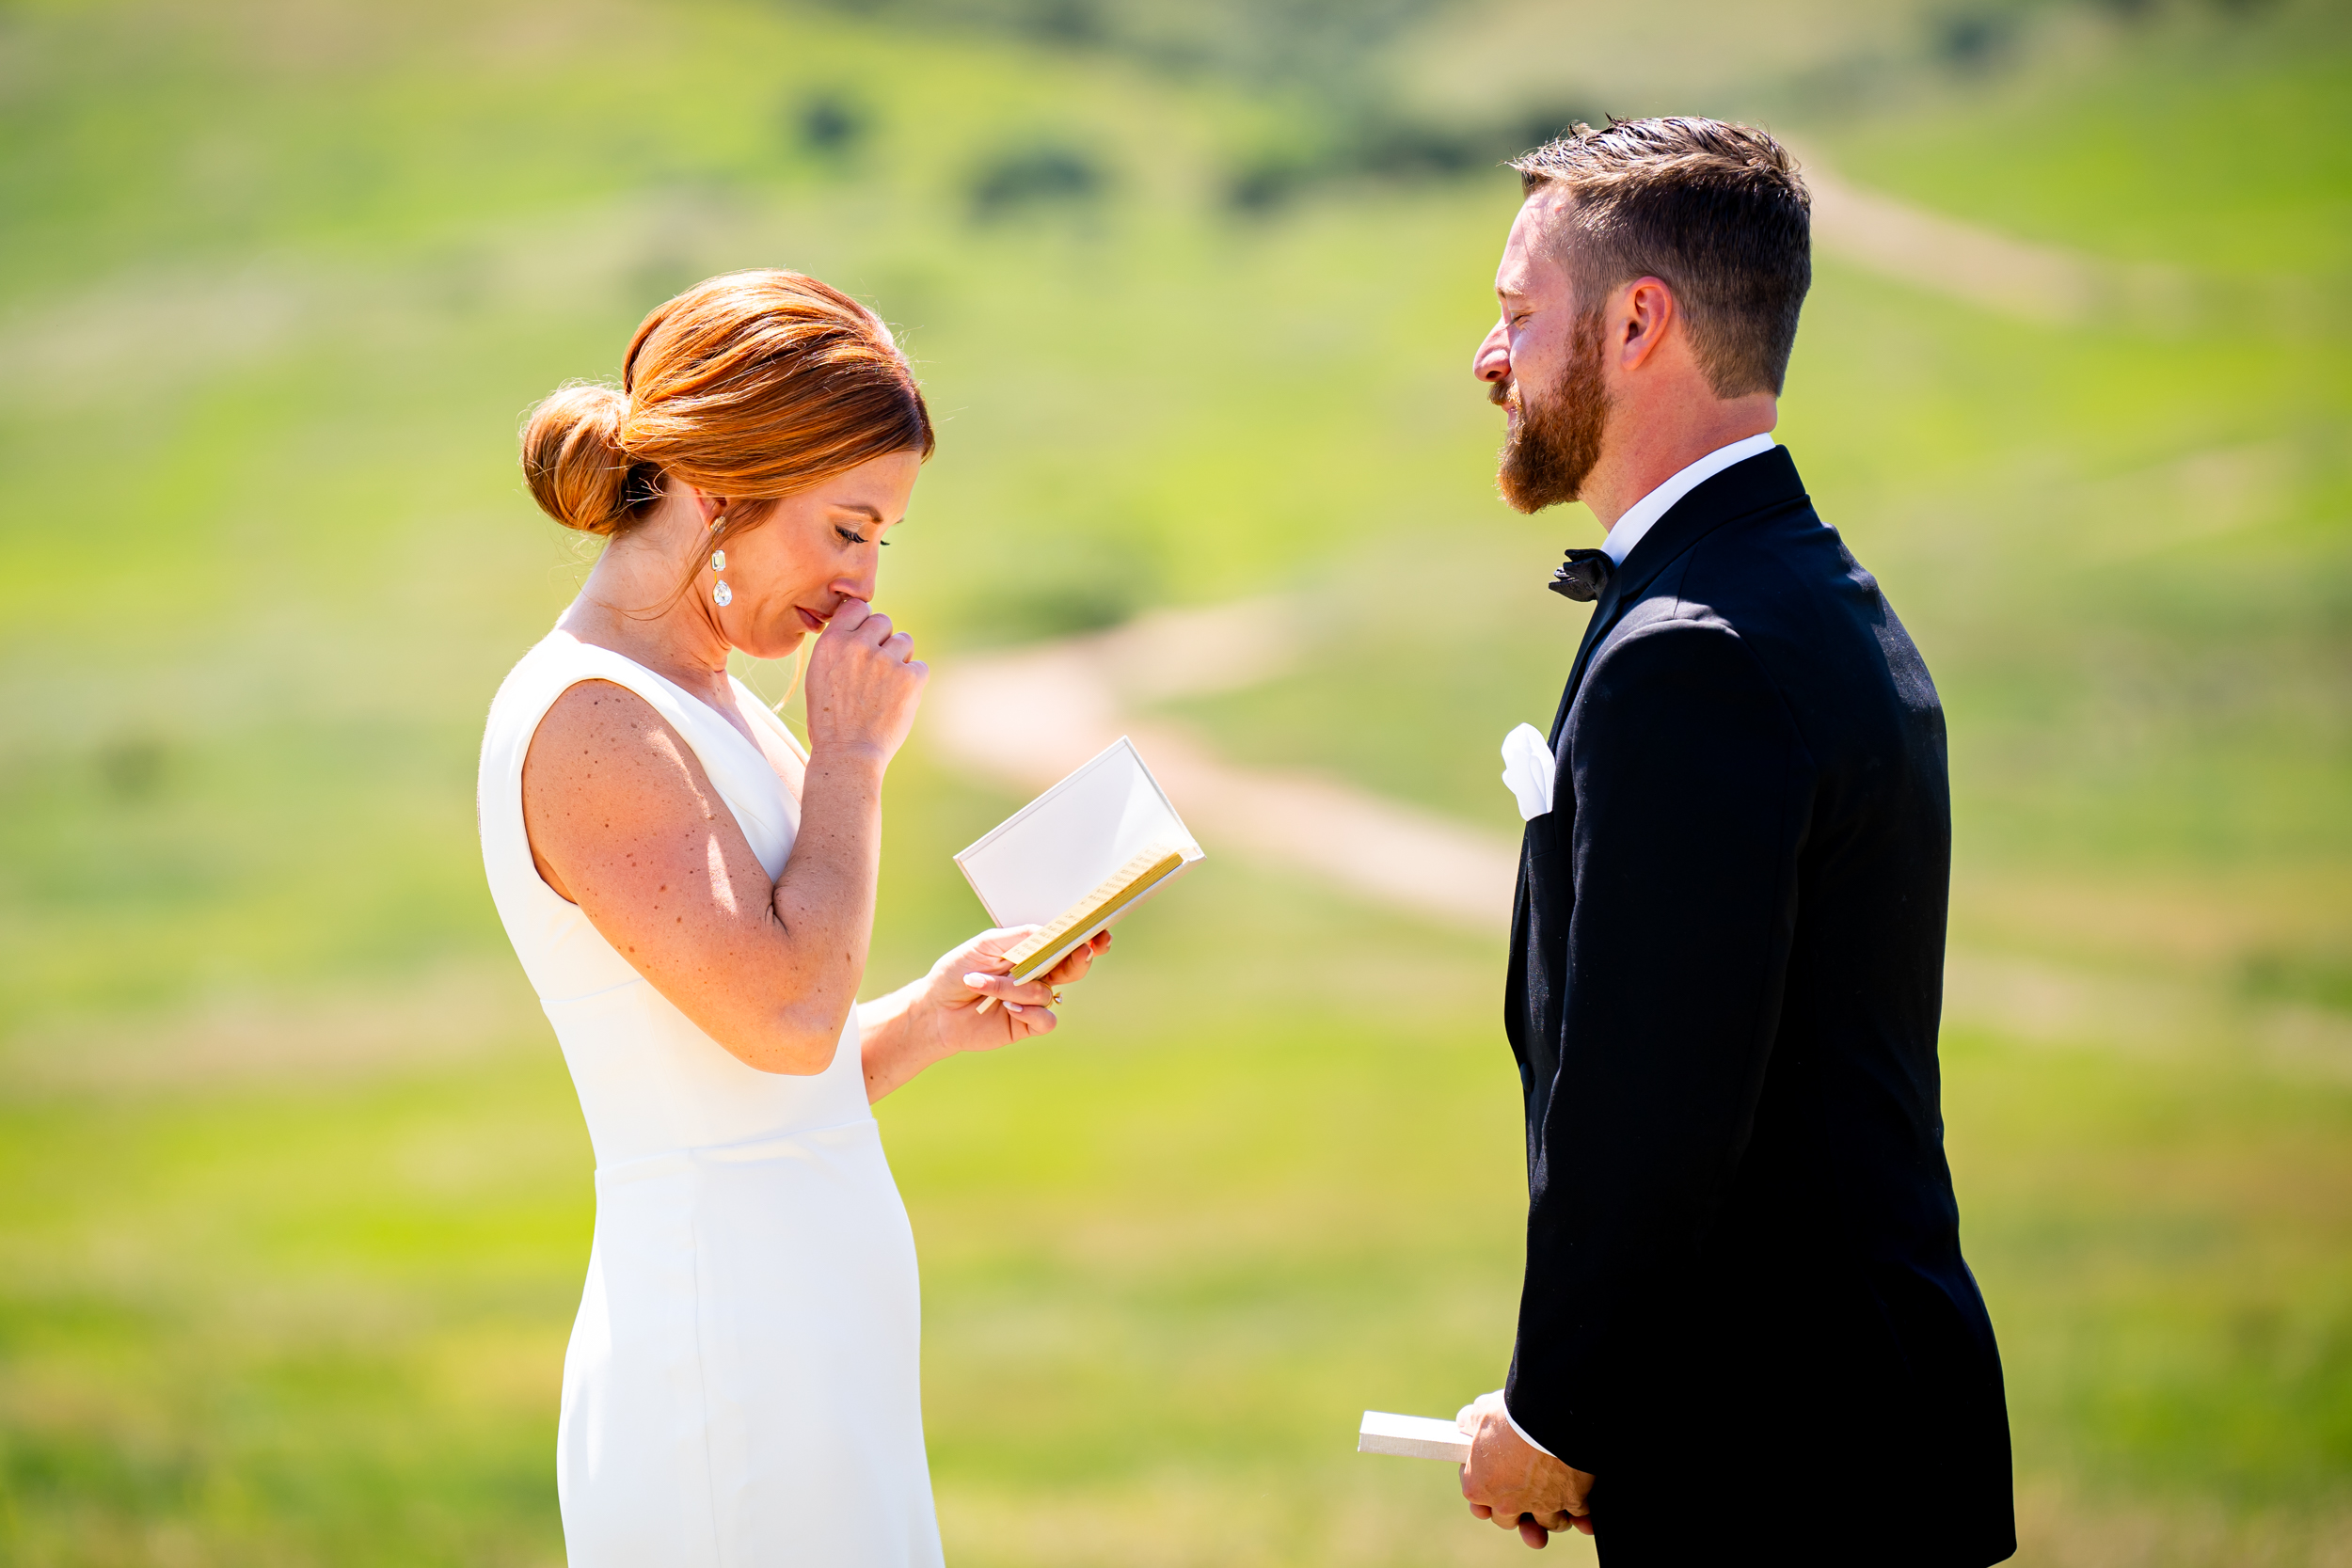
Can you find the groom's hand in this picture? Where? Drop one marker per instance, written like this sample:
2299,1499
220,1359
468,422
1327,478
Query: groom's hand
1515,1484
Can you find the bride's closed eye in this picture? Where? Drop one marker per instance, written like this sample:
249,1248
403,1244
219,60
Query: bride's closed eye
852,536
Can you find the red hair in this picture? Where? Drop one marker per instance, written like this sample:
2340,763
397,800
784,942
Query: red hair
751,385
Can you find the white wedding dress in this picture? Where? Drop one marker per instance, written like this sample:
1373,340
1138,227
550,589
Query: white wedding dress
742,1385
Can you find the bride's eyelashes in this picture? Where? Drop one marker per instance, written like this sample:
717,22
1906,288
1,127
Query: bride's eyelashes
851,537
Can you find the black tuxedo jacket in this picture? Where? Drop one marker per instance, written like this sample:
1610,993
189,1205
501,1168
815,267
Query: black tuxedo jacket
1744,1289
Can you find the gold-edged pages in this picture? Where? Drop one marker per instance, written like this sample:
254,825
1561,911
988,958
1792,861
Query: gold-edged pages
1114,893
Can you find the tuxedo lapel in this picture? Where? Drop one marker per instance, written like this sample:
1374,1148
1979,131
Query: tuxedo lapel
1546,896
1604,609
1767,478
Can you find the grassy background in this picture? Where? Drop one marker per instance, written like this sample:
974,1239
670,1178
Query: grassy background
294,1198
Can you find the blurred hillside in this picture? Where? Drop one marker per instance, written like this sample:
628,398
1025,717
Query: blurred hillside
295,1200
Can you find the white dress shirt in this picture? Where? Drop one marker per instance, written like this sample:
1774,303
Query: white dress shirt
1522,1431
1639,518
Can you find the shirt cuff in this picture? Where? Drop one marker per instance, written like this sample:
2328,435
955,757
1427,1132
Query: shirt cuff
1524,1436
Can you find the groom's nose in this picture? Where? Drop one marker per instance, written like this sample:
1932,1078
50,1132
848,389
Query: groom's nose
1492,362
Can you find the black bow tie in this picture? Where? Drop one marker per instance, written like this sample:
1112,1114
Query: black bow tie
1583,576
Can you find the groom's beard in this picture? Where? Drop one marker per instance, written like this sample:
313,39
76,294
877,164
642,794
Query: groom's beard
1551,451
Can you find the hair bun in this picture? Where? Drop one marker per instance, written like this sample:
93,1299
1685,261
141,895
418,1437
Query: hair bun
573,458
751,385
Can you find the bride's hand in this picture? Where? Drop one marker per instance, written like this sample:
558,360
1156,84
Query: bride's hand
961,980
864,683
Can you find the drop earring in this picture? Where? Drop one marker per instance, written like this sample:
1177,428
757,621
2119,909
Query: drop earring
721,594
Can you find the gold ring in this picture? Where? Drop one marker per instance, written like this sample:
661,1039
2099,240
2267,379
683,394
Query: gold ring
1056,999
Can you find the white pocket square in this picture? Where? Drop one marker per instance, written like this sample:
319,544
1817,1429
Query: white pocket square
1530,770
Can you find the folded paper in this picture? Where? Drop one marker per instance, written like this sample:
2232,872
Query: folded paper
1412,1437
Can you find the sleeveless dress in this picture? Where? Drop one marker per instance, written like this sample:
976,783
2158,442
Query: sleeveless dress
742,1385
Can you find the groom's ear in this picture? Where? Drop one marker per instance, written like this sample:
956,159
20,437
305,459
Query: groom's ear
1644,315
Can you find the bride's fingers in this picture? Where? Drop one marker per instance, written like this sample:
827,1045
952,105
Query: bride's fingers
1081,959
1009,992
991,945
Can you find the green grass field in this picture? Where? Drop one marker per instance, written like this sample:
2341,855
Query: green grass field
294,1199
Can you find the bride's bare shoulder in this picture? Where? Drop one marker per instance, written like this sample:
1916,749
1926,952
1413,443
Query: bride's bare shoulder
604,770
600,736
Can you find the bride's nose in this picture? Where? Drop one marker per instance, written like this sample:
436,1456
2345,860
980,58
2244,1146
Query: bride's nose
855,585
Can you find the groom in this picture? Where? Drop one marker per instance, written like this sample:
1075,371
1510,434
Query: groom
1745,1330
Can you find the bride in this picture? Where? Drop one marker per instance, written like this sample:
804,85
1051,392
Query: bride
692,893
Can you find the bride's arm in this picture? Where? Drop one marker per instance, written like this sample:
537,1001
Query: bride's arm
624,822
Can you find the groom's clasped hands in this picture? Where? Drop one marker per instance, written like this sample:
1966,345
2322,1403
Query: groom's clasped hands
1516,1484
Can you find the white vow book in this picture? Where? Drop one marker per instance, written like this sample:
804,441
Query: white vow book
1079,856
1412,1437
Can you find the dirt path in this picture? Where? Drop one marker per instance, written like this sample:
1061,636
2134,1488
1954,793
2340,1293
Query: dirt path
1028,716
1022,718
1025,717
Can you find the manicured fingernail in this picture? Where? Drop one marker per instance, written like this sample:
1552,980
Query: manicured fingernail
1012,1006
976,979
